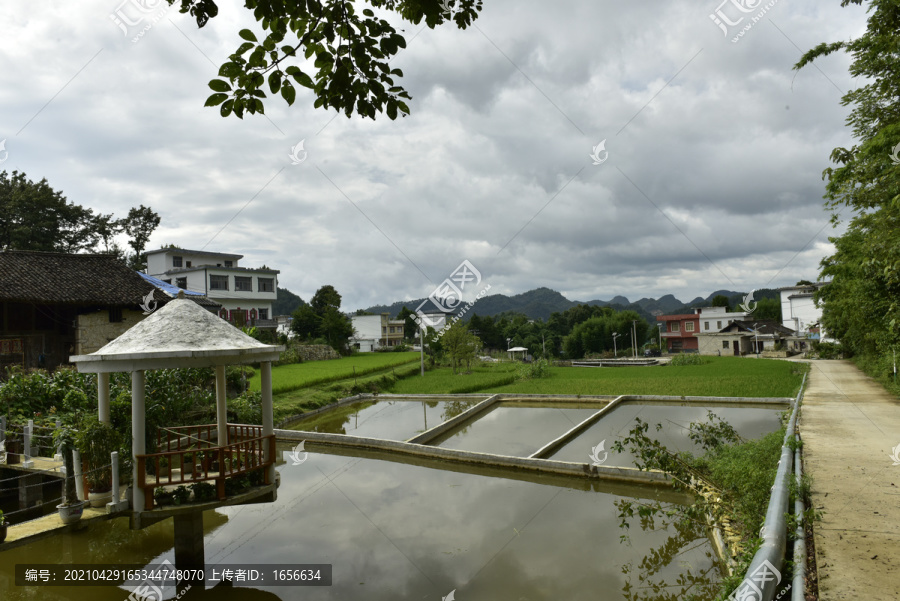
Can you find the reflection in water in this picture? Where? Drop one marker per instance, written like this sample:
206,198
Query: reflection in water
398,531
392,419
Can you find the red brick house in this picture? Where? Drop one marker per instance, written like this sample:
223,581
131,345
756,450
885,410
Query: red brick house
678,332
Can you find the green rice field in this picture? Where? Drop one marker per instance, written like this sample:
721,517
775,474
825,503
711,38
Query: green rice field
718,376
286,378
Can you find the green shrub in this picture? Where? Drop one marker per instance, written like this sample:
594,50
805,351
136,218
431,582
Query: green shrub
247,408
535,369
687,359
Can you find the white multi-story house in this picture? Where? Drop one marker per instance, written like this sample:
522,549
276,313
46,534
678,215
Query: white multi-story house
246,294
713,319
372,332
799,311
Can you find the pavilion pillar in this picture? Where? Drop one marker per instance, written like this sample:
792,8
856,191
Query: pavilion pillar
103,397
138,442
221,407
268,419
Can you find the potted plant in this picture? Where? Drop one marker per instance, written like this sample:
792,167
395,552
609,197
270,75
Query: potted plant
71,509
96,441
203,492
181,495
162,496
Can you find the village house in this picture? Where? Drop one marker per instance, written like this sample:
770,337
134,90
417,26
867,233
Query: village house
245,294
372,332
680,331
744,337
53,305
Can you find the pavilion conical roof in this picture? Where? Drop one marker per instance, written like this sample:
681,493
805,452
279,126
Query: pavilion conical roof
180,334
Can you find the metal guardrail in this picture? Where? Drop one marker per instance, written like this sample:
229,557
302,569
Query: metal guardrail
763,576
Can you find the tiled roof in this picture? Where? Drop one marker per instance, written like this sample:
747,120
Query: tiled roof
60,278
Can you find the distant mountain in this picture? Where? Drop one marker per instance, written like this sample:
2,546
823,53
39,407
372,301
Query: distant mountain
286,303
542,302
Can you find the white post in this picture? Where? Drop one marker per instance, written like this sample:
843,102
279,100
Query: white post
114,463
103,397
221,408
58,456
29,428
3,439
268,419
78,475
138,444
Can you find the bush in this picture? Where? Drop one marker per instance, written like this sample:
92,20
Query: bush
687,359
247,408
535,369
827,350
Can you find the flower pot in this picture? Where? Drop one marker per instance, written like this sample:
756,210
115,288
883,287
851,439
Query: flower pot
100,499
71,513
2,533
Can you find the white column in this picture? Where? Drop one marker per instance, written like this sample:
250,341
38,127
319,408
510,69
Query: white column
221,407
103,397
268,419
138,444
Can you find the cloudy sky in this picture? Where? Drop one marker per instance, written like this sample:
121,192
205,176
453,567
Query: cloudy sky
712,178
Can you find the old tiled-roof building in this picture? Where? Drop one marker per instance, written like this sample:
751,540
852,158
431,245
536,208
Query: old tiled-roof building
53,305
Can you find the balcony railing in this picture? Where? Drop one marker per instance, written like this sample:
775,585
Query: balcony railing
187,455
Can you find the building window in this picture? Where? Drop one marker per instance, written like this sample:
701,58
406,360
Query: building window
705,325
383,330
243,283
229,263
265,284
181,283
218,282
264,314
674,327
187,264
176,261
724,344
169,281
115,315
718,325
689,326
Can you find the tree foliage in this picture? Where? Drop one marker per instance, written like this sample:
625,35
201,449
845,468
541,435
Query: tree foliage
34,216
862,303
460,345
322,318
352,51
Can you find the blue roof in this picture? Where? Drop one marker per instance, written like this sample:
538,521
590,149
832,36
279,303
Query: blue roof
168,288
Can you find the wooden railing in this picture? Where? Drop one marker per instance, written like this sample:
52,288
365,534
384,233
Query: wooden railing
188,456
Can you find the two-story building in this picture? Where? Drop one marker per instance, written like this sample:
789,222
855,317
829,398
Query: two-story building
799,311
371,332
680,331
246,294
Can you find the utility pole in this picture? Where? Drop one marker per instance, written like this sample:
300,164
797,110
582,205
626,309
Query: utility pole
422,352
634,337
615,335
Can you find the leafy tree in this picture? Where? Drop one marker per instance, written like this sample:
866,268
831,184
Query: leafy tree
768,308
862,303
325,297
410,329
305,322
322,318
352,49
34,216
460,345
139,224
336,328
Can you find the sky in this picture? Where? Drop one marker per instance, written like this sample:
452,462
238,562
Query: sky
707,172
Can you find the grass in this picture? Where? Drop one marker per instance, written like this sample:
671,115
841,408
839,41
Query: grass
287,378
718,376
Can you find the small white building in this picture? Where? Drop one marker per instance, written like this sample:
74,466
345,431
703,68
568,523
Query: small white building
713,319
246,295
372,332
799,311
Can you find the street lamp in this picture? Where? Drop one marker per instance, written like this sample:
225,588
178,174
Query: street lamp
756,339
634,337
615,335
660,326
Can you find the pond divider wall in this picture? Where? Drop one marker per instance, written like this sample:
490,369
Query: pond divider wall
554,445
467,415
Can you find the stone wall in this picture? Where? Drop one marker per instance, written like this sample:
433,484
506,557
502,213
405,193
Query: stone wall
94,330
316,352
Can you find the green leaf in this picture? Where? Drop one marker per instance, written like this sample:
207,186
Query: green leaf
304,80
244,48
392,109
216,99
217,85
226,108
247,35
230,70
289,93
275,81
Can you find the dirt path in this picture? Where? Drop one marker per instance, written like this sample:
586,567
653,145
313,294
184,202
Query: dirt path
849,425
